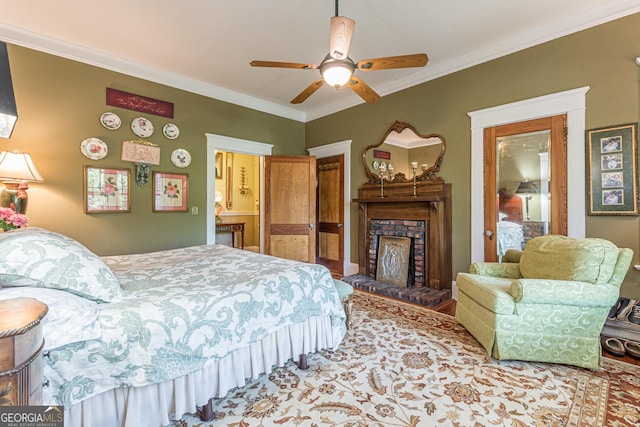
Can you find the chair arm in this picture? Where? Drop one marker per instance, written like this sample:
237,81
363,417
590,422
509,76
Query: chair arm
564,292
496,269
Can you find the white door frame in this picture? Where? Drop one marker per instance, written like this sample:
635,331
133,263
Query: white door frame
572,103
336,149
235,145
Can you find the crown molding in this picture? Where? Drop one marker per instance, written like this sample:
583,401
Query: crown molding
74,52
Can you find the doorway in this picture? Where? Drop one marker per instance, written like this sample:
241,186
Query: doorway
573,104
220,143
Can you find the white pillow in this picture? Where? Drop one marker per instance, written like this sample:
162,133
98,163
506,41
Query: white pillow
70,318
41,258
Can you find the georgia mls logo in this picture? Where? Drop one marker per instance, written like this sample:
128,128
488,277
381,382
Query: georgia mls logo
31,416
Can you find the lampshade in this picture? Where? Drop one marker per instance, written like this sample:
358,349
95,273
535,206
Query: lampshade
336,72
18,167
8,109
527,187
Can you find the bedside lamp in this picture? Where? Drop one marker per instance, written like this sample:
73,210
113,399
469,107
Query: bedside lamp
16,169
527,188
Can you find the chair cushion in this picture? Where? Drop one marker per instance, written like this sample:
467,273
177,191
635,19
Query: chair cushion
556,257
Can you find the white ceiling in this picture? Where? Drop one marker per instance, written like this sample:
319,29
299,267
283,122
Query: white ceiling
205,46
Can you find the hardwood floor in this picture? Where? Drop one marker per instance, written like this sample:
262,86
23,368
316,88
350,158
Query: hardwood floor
449,307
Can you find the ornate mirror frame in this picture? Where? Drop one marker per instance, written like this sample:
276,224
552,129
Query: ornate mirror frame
425,174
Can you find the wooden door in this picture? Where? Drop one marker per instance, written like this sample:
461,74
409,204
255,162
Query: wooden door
330,196
290,207
557,184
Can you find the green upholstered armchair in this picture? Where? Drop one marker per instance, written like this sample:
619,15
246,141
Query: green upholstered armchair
548,307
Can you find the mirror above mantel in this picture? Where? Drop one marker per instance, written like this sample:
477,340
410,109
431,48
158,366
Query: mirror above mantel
404,149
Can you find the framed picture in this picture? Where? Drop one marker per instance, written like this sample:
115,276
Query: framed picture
106,190
612,164
170,192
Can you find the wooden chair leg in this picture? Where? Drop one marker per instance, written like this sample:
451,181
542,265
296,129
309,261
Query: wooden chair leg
347,304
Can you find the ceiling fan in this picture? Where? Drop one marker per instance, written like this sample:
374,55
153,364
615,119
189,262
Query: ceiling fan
337,68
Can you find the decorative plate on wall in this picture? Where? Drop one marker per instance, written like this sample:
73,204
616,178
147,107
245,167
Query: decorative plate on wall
171,131
142,127
110,120
94,148
180,157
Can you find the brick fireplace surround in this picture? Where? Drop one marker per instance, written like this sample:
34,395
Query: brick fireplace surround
399,228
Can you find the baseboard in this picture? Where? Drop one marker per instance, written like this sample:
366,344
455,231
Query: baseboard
351,269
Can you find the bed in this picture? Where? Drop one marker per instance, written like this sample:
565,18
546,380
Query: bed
142,339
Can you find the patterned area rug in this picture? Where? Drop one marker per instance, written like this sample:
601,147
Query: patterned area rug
403,365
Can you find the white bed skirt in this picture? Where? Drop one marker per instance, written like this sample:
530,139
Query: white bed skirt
155,405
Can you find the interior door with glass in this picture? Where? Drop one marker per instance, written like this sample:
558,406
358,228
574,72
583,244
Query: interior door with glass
525,183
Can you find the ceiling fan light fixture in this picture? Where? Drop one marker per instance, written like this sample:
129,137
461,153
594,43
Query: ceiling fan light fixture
336,72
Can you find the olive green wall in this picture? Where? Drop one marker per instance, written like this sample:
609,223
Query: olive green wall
601,57
59,105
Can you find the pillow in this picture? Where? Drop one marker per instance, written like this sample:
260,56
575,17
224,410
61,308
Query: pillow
553,257
70,318
41,258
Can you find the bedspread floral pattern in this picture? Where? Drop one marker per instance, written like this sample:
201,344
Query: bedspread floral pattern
186,306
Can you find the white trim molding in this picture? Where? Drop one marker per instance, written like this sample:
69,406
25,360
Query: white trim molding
570,102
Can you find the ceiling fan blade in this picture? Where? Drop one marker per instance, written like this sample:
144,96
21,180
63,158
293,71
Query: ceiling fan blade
403,61
363,90
341,31
283,65
308,91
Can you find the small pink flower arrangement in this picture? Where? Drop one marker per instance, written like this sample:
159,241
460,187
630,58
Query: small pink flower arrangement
10,220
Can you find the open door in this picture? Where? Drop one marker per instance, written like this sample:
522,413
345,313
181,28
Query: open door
290,207
330,252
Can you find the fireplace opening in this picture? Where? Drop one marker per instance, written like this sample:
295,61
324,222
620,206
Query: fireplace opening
394,261
383,231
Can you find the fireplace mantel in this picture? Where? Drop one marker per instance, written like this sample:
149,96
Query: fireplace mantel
432,204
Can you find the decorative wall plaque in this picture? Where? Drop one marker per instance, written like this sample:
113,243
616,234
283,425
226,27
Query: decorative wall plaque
393,260
140,151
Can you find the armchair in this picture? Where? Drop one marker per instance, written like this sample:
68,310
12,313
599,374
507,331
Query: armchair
548,307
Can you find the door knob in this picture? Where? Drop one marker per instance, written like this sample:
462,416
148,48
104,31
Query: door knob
489,234
311,226
339,225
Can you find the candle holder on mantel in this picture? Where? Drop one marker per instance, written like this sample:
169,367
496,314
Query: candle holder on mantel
414,166
382,170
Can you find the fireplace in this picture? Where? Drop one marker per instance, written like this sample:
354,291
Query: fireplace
425,218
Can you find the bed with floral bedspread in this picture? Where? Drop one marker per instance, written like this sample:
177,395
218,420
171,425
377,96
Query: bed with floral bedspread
185,324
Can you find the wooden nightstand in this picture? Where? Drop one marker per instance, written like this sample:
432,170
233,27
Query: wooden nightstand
21,346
